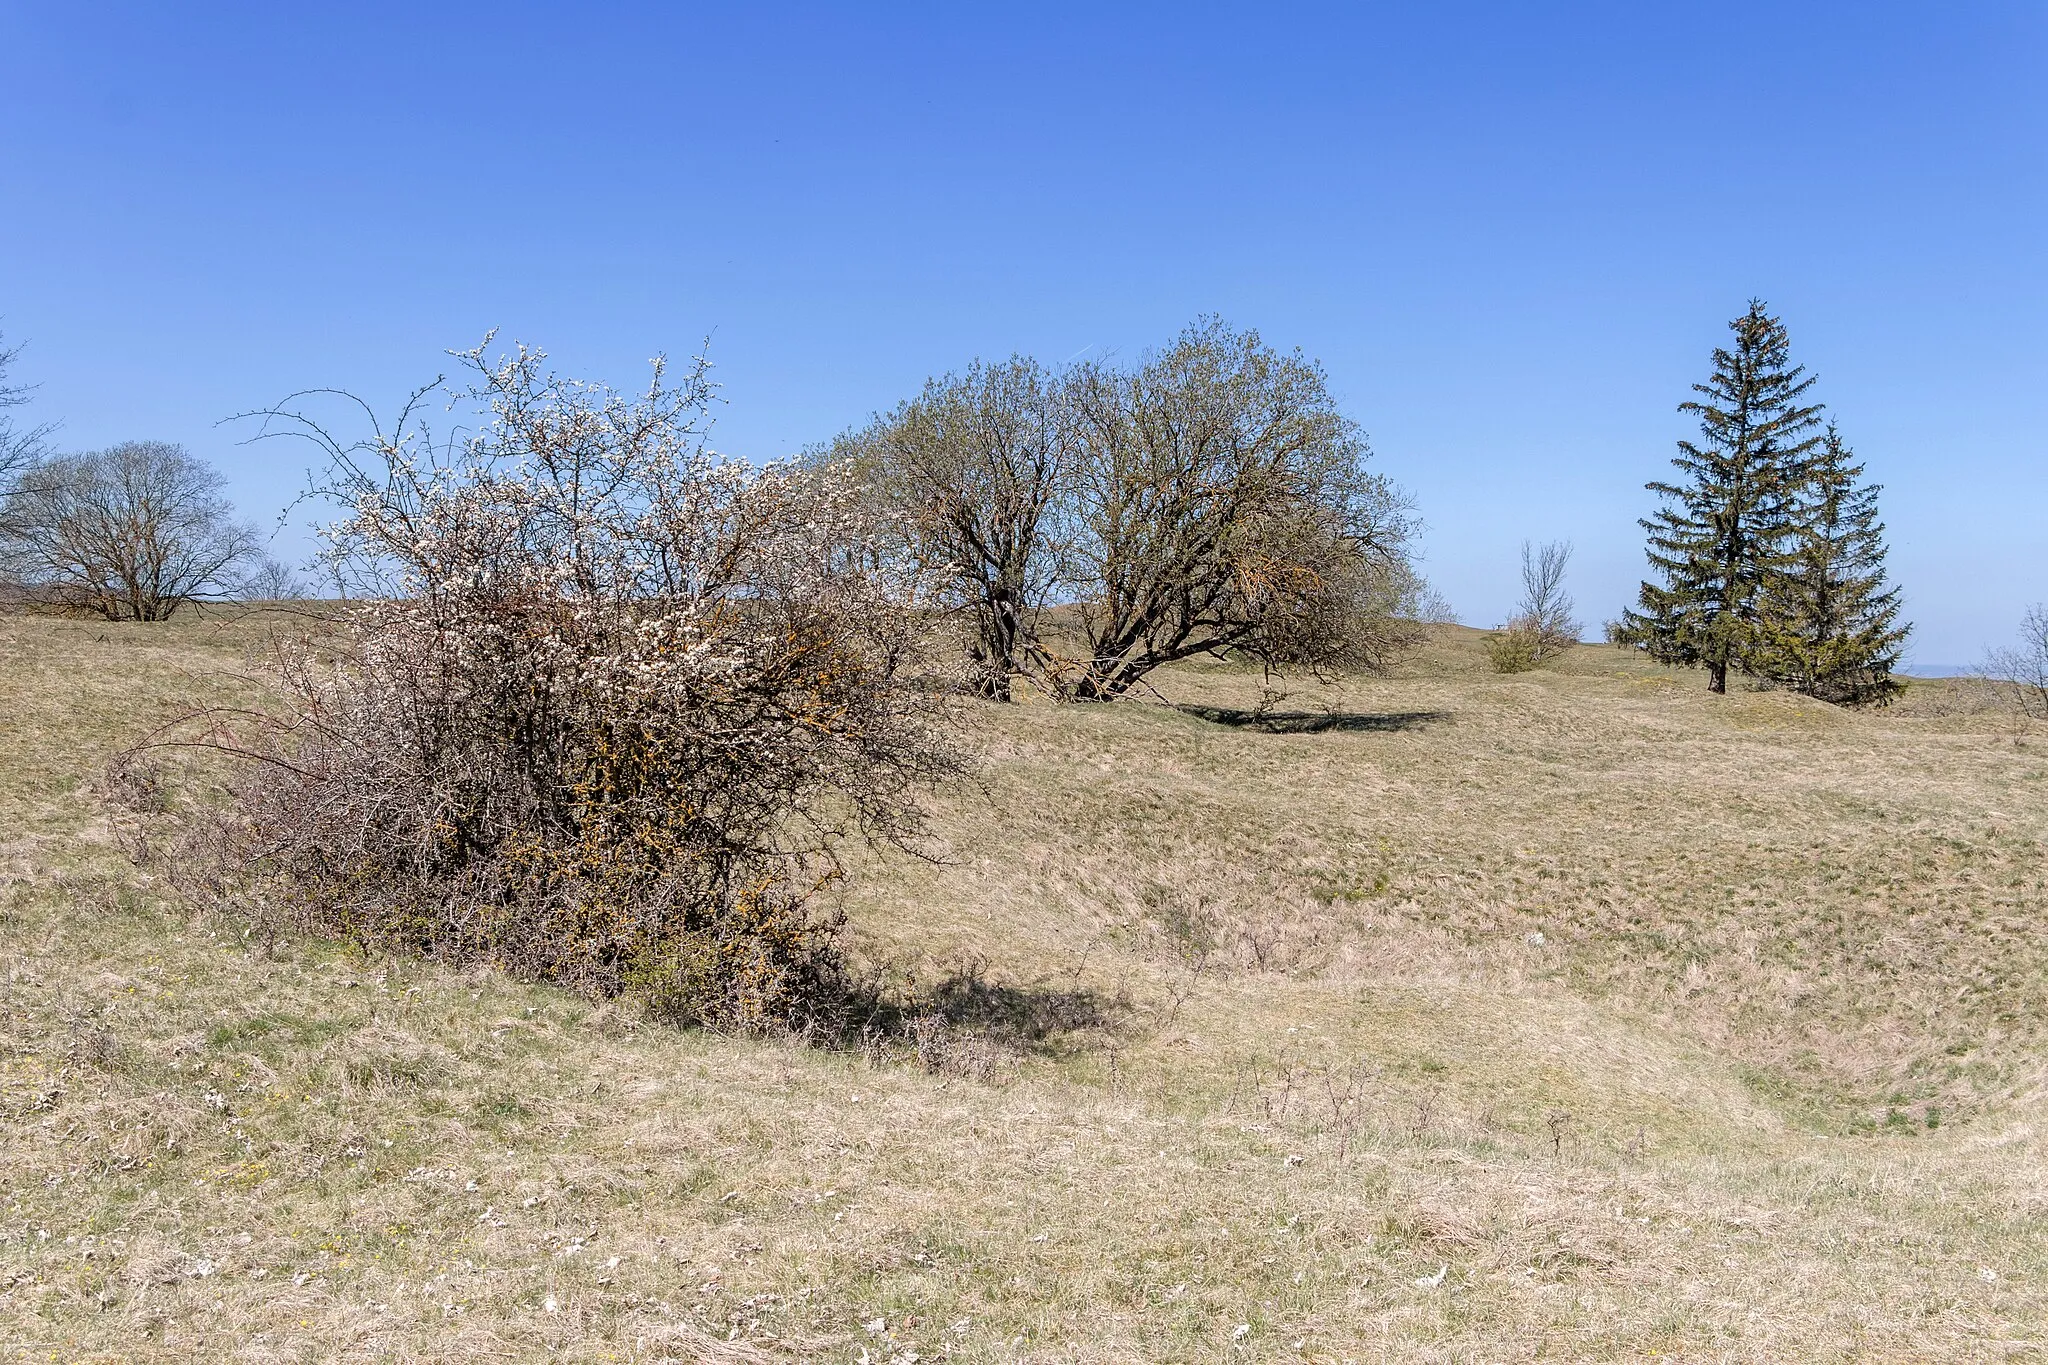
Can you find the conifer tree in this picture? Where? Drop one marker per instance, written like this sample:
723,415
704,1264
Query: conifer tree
1726,528
1830,624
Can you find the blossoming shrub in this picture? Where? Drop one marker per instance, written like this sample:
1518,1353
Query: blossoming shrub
606,708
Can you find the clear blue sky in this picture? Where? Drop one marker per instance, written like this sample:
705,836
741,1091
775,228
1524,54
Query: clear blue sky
1511,232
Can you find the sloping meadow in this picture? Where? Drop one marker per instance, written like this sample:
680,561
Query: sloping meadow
1446,1016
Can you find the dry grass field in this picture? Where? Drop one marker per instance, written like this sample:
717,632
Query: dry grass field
1443,1017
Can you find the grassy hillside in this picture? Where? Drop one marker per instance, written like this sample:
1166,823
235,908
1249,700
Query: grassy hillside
1450,1016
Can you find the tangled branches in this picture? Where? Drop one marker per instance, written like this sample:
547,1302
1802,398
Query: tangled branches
613,705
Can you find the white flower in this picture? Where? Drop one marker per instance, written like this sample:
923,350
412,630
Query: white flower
548,1305
1243,1330
1432,1281
877,1327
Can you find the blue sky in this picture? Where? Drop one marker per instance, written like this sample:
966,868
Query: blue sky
1512,233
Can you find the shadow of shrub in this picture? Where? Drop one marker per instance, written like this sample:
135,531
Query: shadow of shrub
1020,1016
1313,722
965,1023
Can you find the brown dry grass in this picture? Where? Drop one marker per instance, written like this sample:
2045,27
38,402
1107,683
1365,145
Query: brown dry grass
1272,1044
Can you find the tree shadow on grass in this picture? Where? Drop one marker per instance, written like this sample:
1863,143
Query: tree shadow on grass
1313,722
1049,1015
1029,1015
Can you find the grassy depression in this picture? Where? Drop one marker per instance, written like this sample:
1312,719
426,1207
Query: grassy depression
1445,1016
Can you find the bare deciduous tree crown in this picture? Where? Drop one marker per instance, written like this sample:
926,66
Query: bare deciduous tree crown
2020,672
1211,499
1222,503
1546,608
132,532
969,472
19,446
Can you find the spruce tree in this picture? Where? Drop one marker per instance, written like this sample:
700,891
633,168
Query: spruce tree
1830,624
1726,527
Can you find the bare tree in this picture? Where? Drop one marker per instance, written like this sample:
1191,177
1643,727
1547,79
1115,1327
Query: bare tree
271,581
969,470
1546,608
19,446
1542,626
132,532
609,711
1424,604
2020,673
1220,502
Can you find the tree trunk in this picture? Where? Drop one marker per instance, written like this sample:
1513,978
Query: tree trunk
1717,676
995,653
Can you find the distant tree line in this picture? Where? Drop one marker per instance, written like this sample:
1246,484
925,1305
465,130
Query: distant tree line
1094,523
1768,552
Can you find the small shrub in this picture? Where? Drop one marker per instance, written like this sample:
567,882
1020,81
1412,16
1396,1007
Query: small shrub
1514,650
